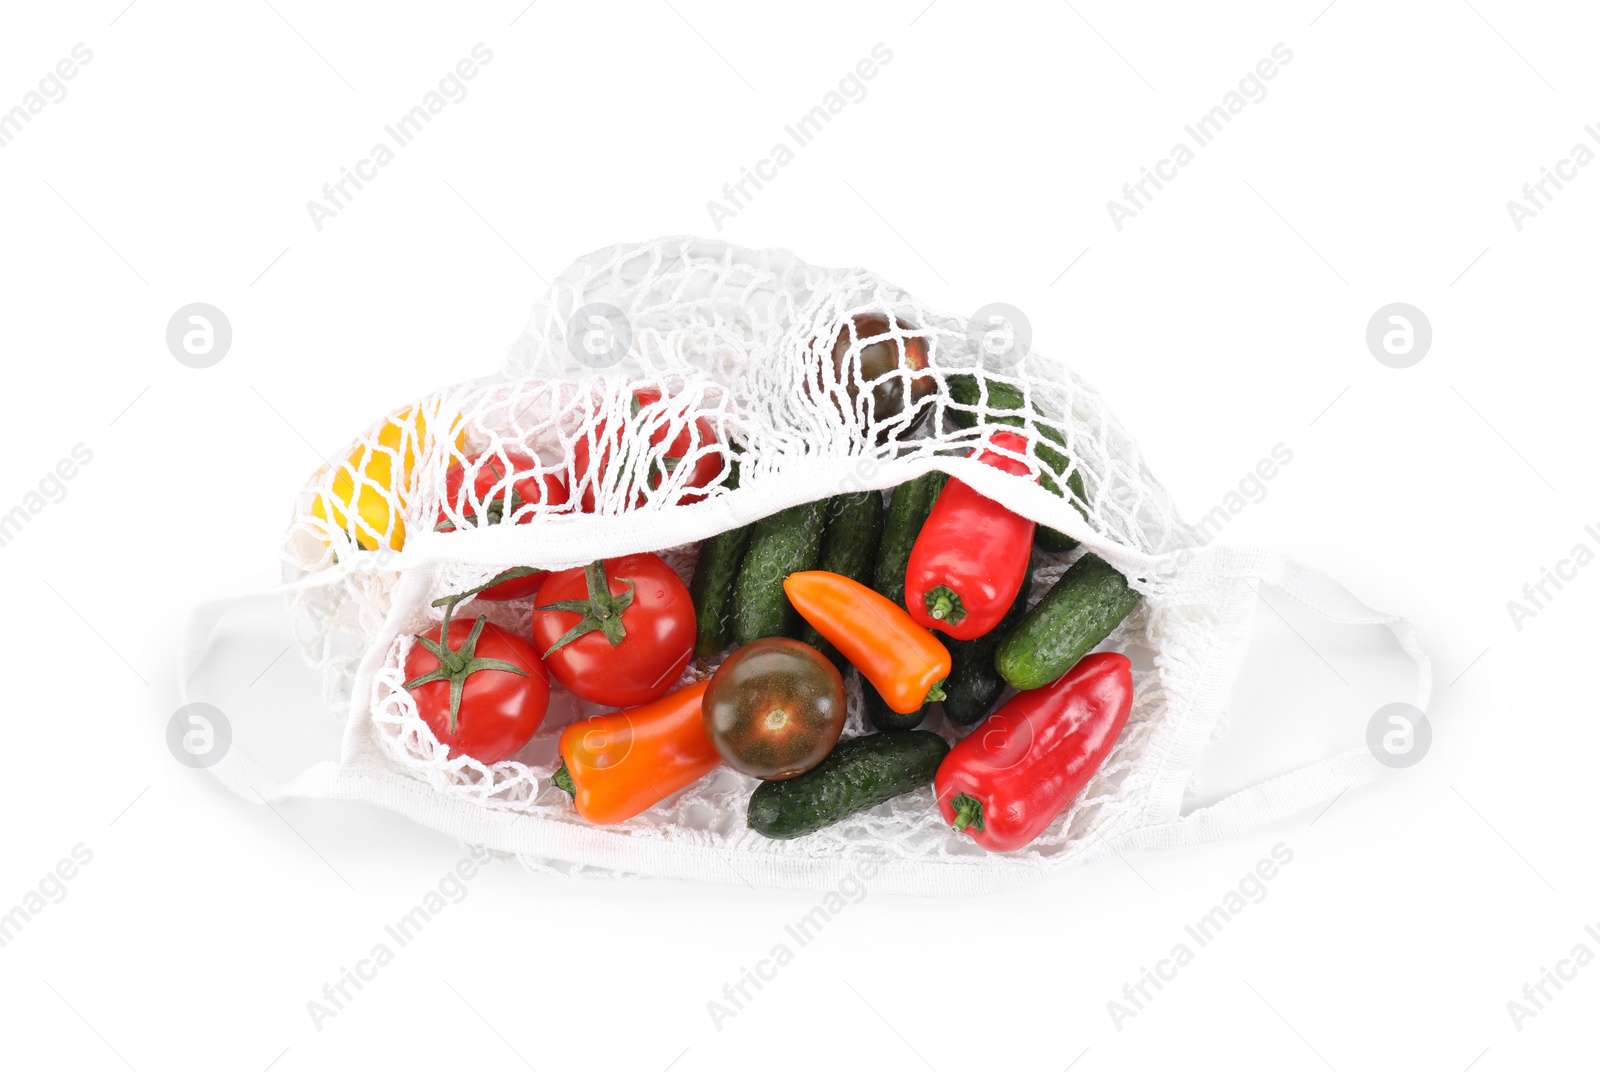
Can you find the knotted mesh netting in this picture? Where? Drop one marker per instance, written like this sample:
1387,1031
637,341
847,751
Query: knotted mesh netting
647,367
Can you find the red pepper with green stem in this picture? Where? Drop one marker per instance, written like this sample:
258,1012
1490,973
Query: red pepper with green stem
1009,779
972,553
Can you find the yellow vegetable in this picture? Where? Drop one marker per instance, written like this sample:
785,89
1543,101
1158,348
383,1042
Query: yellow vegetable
369,480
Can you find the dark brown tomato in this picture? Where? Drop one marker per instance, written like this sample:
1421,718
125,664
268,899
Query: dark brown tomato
884,355
775,708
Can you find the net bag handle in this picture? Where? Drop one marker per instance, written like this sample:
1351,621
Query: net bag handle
234,769
1299,790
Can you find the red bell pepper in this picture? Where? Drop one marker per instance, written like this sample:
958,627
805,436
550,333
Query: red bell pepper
1007,780
971,555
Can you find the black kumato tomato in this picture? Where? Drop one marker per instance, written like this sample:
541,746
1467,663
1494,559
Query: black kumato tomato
871,353
775,708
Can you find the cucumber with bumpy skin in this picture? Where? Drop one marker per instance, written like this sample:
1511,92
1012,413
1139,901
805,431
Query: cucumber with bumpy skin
884,718
1005,405
974,685
909,507
850,535
712,588
1086,604
858,774
1048,539
785,543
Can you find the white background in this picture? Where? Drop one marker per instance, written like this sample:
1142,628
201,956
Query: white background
1226,318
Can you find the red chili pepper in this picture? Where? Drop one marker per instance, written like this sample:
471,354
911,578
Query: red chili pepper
1009,779
971,555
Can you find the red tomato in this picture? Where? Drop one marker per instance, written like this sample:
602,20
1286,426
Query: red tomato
500,709
503,482
617,632
516,588
591,456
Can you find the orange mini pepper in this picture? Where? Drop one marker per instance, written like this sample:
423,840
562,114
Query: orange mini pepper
618,764
904,662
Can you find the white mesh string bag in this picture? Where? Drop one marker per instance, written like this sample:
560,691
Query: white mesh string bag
744,340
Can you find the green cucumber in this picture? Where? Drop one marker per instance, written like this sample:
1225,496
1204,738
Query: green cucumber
908,509
885,718
712,588
858,774
973,685
1006,405
851,530
1086,604
785,543
1048,539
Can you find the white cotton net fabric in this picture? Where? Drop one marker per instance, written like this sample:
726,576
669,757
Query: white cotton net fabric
744,340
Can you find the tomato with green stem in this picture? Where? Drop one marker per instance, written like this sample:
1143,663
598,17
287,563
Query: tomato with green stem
480,689
503,483
616,632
